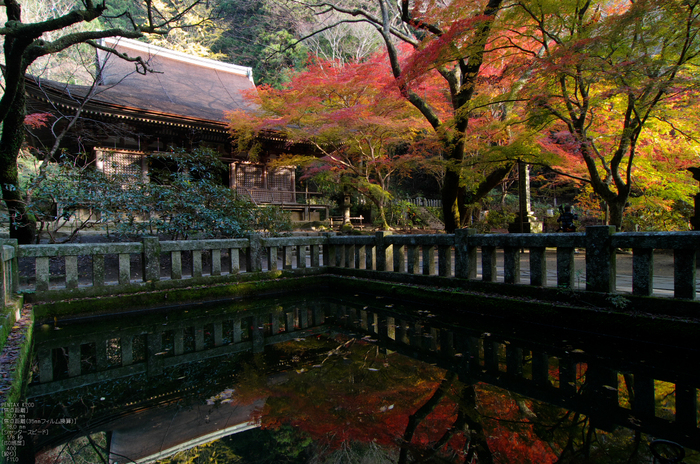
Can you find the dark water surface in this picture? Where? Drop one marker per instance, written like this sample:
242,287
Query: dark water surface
351,378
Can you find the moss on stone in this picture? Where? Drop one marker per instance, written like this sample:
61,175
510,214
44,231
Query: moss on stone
16,369
274,282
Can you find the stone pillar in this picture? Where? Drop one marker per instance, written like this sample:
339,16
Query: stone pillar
43,273
565,267
538,266
98,270
176,265
385,252
5,292
216,262
525,221
399,258
150,259
13,272
71,263
328,251
9,270
255,251
684,273
511,265
488,263
465,255
196,263
413,266
301,257
643,271
235,261
429,259
315,251
600,259
125,269
445,260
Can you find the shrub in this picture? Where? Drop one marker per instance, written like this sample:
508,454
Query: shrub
185,201
403,214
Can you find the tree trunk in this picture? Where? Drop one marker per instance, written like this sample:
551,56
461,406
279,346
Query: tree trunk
452,197
22,224
616,210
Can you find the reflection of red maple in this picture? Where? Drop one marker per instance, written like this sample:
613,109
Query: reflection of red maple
511,437
339,412
358,395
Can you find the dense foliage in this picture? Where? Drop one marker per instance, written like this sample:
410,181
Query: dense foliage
187,201
352,115
601,93
28,39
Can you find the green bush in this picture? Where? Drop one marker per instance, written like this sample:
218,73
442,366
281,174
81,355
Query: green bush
403,214
186,201
495,219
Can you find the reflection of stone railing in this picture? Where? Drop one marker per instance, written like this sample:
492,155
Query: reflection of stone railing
588,380
72,357
582,377
52,271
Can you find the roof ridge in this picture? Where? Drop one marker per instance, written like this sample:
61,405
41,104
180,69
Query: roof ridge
155,50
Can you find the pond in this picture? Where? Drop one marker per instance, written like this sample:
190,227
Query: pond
351,378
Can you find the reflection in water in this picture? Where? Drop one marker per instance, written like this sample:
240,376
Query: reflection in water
352,379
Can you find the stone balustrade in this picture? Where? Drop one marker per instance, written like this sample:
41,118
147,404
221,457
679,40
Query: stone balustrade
52,271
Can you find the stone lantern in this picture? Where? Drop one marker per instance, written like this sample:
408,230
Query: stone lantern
525,221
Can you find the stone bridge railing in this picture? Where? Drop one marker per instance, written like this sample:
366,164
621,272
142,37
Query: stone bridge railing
59,271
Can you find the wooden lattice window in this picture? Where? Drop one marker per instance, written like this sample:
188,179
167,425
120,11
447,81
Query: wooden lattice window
115,163
249,176
280,179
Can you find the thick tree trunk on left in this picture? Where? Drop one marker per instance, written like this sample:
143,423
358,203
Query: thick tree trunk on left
22,225
452,201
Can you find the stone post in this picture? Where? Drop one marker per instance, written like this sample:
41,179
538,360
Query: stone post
525,222
385,252
255,251
465,255
684,273
150,259
13,272
600,259
4,270
329,259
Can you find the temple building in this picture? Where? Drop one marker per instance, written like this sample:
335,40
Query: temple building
182,105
